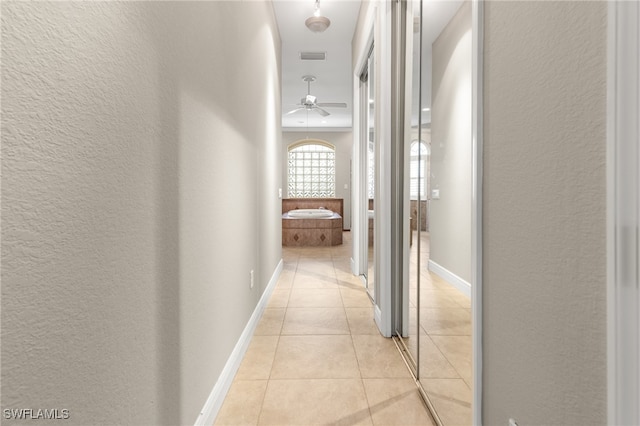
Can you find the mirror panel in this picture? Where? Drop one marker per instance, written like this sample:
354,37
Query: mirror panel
435,321
371,175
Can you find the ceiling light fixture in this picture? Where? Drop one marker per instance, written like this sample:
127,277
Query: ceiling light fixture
317,23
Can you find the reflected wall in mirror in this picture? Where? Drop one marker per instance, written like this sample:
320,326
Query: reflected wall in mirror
436,307
414,198
368,141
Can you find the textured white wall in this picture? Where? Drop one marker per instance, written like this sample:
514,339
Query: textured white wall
343,142
544,261
130,180
450,216
229,176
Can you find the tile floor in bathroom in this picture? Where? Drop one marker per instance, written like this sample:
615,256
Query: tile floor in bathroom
317,357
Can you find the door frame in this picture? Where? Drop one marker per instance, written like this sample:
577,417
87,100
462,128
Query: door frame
377,26
623,212
359,211
477,84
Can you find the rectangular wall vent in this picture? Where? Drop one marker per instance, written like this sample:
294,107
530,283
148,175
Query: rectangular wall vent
313,56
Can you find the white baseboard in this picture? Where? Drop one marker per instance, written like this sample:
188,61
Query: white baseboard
216,398
377,318
450,277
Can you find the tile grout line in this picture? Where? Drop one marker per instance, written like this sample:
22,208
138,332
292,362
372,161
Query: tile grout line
355,353
269,379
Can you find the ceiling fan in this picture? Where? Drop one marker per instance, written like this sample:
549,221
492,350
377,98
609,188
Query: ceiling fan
309,102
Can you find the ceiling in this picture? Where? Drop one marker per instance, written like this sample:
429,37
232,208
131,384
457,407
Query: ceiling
334,80
333,75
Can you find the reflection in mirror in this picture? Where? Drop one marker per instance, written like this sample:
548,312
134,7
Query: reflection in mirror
436,317
368,144
414,178
371,177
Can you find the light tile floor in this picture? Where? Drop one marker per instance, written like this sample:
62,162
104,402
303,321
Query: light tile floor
317,356
445,339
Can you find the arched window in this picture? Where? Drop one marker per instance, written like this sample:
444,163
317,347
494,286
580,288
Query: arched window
311,170
418,158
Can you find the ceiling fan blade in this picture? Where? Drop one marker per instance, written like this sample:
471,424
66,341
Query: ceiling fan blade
332,104
294,110
321,111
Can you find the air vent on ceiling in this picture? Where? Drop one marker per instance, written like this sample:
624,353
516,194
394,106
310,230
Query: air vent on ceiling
313,56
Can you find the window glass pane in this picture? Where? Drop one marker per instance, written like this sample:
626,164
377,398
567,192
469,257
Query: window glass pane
417,169
311,171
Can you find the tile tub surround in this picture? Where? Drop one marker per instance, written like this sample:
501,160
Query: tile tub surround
320,232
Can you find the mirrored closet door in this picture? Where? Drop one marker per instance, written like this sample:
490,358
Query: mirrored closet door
435,326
